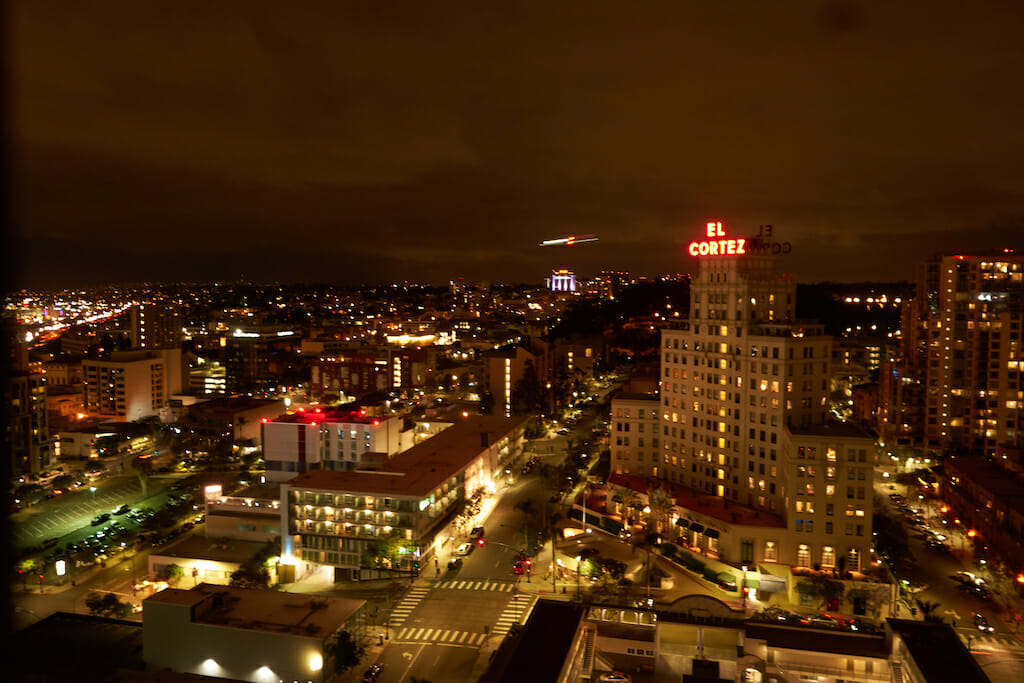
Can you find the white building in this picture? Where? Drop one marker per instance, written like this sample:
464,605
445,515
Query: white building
326,439
131,385
244,634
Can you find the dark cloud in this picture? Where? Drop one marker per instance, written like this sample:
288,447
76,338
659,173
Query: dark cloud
360,142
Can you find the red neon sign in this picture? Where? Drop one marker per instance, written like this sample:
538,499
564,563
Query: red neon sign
718,247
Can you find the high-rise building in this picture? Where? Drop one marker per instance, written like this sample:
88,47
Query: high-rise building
156,326
132,384
962,357
744,416
27,432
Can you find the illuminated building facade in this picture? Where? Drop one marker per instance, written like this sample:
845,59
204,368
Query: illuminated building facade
332,440
968,311
957,384
28,433
156,326
562,280
241,634
745,417
131,385
331,519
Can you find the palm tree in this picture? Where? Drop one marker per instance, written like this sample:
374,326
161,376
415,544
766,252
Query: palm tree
630,501
928,611
662,507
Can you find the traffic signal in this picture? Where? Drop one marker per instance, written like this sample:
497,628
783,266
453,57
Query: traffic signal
480,541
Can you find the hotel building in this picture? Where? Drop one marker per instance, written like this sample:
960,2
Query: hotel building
745,426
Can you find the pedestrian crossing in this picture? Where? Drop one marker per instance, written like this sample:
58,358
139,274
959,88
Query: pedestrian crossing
483,585
514,613
403,609
999,642
439,636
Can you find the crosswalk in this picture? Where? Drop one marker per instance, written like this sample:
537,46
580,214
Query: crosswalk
470,585
439,636
404,608
514,613
997,641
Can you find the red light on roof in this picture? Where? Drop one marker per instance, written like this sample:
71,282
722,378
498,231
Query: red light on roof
301,409
265,420
376,422
363,411
318,410
313,423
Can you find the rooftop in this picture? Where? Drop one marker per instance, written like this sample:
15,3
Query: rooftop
330,415
817,640
938,651
92,649
212,549
289,613
421,469
712,506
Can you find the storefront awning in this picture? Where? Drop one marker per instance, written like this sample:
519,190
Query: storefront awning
684,523
711,533
696,527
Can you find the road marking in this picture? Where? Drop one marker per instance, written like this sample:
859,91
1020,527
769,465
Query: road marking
448,638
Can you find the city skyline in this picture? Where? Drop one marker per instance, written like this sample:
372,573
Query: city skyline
363,145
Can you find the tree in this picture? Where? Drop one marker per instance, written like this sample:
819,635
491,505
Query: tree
255,573
527,395
662,506
107,605
25,568
344,651
172,574
929,611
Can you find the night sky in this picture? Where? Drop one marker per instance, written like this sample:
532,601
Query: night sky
365,142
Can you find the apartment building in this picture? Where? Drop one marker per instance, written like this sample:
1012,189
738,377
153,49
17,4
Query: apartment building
130,385
962,357
331,519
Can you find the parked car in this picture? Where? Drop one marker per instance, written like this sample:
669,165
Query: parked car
455,563
477,532
464,549
99,519
520,566
825,620
615,677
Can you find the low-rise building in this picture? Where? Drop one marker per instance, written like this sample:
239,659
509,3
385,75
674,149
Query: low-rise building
331,518
246,635
205,559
